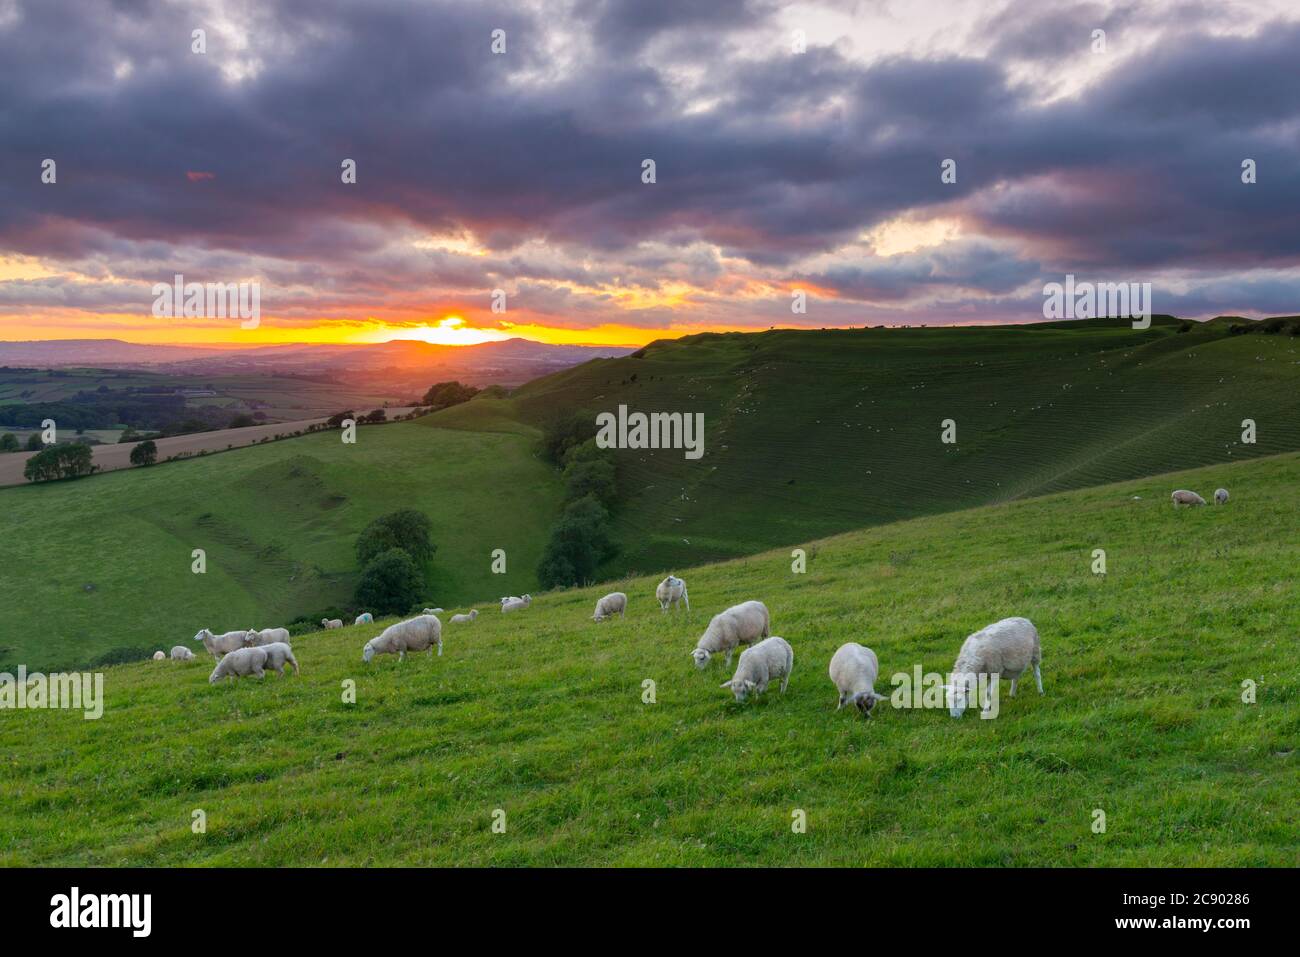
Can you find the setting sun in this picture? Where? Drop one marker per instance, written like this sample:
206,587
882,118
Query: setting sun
452,331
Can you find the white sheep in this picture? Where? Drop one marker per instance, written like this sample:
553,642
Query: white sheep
1003,650
266,636
277,655
414,634
158,656
431,611
615,603
1184,497
464,619
221,644
328,623
1221,496
854,670
670,591
240,663
741,624
180,653
365,618
759,664
514,604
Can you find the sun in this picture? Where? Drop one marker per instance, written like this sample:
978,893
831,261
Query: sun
453,331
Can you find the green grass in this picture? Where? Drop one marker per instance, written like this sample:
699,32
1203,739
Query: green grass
811,433
540,714
104,562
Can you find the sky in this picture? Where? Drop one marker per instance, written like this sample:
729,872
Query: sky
798,148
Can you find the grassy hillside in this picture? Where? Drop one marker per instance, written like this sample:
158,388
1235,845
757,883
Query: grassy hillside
815,432
104,562
540,714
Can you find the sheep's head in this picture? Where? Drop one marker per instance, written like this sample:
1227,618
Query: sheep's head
701,657
741,689
215,676
864,701
473,613
368,652
203,633
957,692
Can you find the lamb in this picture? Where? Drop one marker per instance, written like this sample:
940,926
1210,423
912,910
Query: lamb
1184,497
158,656
277,655
1004,649
615,603
431,611
464,619
514,604
328,623
1221,496
670,591
240,663
854,670
221,644
365,618
179,653
741,624
266,636
766,661
414,634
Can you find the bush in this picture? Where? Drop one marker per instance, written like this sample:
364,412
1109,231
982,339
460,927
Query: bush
242,421
390,584
379,415
565,431
34,443
9,442
59,461
595,478
443,395
146,453
407,529
579,542
335,421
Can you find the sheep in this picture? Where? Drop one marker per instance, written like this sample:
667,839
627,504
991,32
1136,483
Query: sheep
854,670
328,623
514,604
741,624
1003,649
1220,496
365,618
431,611
670,591
615,603
464,619
240,663
221,644
158,656
266,636
414,634
766,661
1184,497
180,653
277,655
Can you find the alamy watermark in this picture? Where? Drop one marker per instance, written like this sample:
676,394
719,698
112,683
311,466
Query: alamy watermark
656,430
211,300
75,692
1088,300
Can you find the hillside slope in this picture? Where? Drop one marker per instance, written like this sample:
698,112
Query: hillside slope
815,432
104,562
541,715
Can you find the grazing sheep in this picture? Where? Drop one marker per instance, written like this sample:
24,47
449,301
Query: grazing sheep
328,623
240,663
414,634
514,604
158,656
854,670
670,591
615,603
1005,648
221,644
277,655
741,624
1220,496
266,636
1184,497
365,618
766,661
431,611
464,619
179,653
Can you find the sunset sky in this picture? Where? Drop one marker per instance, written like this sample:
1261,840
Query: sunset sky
776,170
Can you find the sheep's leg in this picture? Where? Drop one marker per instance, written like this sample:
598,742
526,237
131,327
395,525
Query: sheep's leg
728,658
1038,677
1013,686
784,681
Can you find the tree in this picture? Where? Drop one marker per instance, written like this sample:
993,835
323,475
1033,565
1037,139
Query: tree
378,415
390,584
594,477
407,529
9,442
59,461
335,421
242,421
579,542
34,443
146,453
563,432
443,395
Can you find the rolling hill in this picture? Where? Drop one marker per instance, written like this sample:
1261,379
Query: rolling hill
541,715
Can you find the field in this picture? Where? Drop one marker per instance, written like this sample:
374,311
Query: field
541,715
811,433
103,563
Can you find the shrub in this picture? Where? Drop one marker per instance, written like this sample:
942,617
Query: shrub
443,395
145,453
563,432
579,542
390,584
59,461
9,442
407,529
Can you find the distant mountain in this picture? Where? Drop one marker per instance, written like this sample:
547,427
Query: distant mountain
96,352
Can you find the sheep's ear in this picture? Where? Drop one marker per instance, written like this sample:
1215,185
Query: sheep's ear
725,684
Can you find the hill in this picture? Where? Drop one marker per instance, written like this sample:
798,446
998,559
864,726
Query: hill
540,715
809,433
104,563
